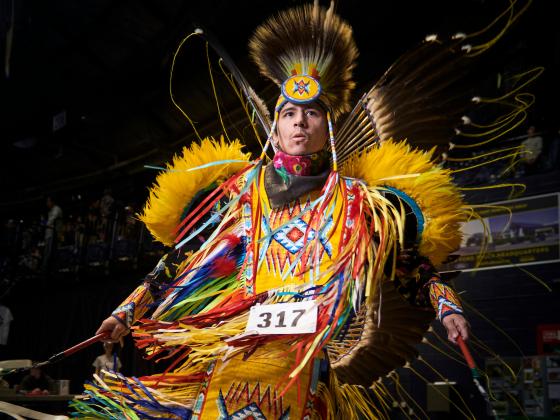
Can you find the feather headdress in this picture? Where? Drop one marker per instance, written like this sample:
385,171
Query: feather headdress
308,51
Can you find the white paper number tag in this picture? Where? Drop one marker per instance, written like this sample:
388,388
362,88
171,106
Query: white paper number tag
283,318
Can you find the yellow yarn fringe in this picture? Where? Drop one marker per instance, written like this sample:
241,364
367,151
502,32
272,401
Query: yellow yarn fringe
397,165
345,401
174,188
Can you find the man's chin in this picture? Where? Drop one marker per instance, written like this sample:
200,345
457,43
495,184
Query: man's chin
298,151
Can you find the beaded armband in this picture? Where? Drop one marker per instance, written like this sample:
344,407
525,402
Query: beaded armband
133,307
444,299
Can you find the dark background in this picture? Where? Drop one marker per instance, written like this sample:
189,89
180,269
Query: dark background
106,64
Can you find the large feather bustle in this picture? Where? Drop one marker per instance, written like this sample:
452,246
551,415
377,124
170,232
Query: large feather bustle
174,189
412,171
428,94
381,338
311,40
423,95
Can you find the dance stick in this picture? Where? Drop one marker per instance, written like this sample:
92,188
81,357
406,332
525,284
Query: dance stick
475,373
65,353
86,343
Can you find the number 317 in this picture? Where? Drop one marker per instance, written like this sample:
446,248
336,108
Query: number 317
281,318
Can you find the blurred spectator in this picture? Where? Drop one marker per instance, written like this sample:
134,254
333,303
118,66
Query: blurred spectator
31,260
533,146
37,382
131,223
5,319
107,361
54,218
9,237
32,234
553,152
106,211
106,204
68,232
52,228
92,223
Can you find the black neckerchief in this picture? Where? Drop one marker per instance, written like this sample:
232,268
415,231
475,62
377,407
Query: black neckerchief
280,192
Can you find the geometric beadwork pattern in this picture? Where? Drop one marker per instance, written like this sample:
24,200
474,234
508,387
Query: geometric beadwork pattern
444,299
291,235
253,404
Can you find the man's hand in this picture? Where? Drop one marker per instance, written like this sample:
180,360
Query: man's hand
116,328
456,325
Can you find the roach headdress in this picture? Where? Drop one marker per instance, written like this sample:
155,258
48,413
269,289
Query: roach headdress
309,52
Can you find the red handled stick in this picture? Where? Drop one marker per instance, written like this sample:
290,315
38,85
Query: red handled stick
475,373
59,356
74,349
467,355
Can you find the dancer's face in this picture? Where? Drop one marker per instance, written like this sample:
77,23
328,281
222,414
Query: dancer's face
301,129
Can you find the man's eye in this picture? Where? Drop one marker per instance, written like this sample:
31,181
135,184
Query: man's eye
312,113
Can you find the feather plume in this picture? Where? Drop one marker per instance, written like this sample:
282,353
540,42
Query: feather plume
311,40
424,96
256,102
413,172
260,107
175,188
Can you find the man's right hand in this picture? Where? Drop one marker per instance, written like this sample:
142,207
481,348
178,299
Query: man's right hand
115,327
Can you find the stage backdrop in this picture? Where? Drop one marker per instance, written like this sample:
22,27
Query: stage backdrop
517,232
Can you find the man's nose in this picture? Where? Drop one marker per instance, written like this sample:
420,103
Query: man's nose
300,120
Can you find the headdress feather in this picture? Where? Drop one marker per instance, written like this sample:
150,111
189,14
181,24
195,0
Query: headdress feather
308,40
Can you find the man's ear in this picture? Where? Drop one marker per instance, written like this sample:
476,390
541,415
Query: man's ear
275,139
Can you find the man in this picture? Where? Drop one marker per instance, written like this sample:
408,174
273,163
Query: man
316,280
532,150
37,382
107,361
301,135
302,131
52,229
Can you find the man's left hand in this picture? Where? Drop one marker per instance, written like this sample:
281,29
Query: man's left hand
456,325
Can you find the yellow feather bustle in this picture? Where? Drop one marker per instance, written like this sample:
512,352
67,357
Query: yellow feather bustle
175,188
397,165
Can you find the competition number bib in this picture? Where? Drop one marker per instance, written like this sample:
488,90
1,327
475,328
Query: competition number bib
283,318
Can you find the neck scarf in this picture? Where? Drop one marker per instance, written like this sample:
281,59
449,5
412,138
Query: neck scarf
289,177
304,165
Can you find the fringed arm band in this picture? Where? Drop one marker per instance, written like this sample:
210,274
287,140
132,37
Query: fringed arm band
419,282
443,298
155,283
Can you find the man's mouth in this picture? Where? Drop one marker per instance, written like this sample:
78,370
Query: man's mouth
299,137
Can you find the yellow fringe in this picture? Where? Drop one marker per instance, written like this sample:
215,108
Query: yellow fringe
395,164
345,401
175,188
